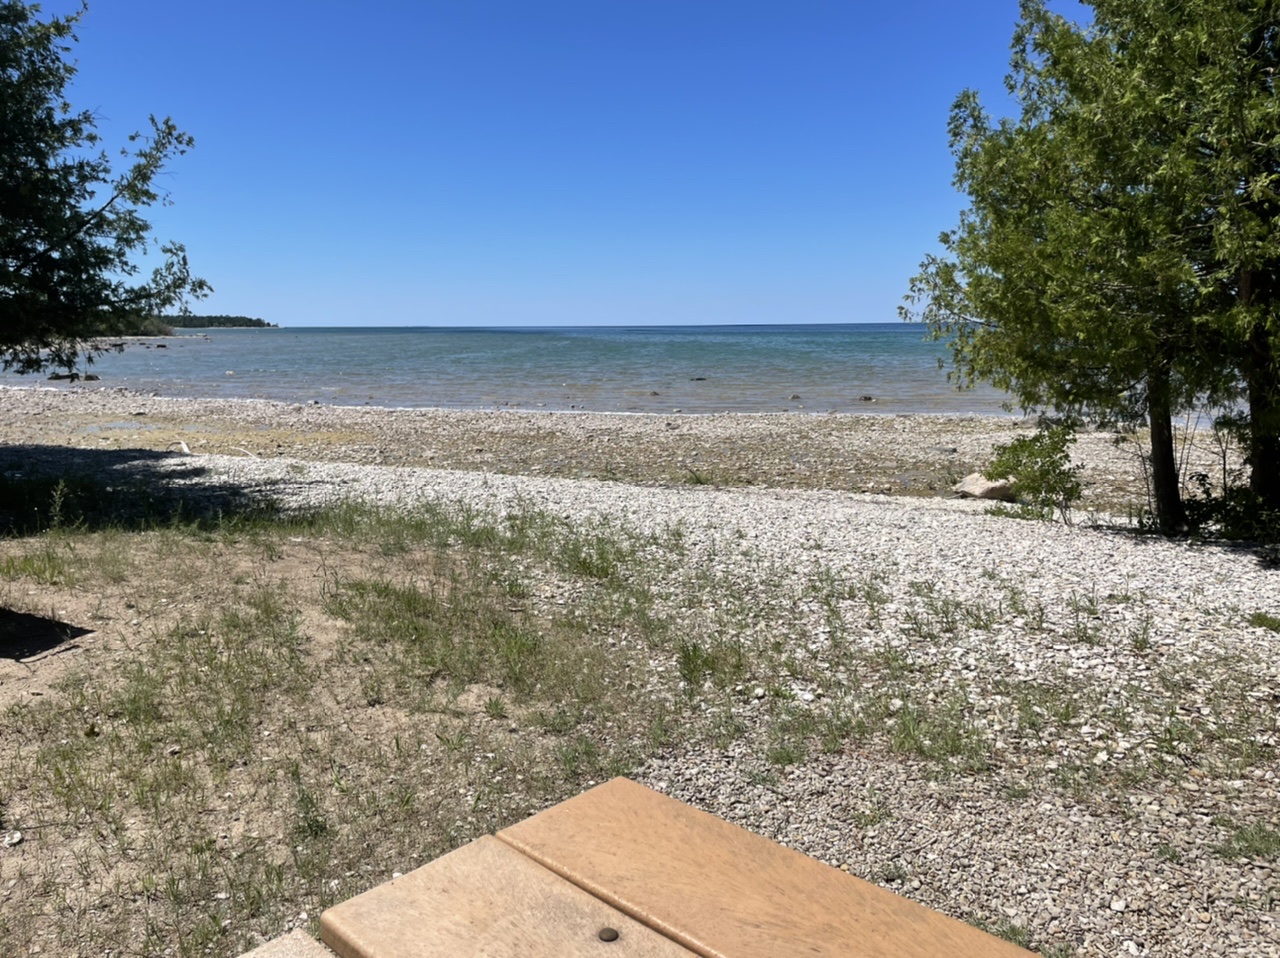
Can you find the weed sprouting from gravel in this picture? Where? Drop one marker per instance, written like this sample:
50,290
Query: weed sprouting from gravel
1254,841
1264,620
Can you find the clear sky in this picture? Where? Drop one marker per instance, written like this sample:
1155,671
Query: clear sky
549,162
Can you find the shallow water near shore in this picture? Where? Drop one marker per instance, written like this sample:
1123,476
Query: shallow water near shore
870,368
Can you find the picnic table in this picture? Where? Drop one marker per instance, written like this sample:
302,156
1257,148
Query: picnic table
622,871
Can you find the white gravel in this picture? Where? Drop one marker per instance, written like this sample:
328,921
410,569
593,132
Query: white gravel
1145,630
1138,652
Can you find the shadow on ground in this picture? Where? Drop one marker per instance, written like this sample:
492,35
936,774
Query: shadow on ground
1267,554
49,487
25,636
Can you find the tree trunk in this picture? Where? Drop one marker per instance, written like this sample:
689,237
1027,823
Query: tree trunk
1171,516
1262,377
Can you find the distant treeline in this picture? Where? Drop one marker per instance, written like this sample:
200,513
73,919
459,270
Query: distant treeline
210,322
163,325
140,326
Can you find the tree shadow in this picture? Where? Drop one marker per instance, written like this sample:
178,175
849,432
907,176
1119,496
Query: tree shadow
1259,551
47,488
25,636
56,487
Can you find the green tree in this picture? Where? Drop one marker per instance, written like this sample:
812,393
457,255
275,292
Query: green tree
1098,270
71,229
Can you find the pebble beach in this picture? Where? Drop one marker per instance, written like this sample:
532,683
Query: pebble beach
1095,664
915,455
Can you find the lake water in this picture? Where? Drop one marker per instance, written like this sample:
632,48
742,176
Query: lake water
696,369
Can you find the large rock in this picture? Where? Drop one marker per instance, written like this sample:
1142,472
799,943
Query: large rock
977,486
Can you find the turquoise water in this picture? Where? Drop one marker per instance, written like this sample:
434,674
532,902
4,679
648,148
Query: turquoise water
699,369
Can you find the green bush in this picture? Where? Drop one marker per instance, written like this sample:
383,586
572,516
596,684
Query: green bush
1040,467
1236,512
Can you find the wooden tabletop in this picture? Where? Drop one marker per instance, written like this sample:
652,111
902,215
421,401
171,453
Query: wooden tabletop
486,899
625,872
724,892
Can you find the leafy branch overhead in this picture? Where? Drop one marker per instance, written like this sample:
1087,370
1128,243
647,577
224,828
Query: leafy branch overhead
72,230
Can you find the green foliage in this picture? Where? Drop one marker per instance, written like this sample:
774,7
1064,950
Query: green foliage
1256,841
1040,466
724,661
1261,620
596,555
1012,932
146,326
1118,256
220,322
310,822
459,633
71,227
1236,512
29,506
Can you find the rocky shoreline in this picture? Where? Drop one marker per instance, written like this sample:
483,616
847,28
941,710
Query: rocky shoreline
1119,685
916,455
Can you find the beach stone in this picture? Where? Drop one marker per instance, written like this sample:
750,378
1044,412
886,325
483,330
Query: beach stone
977,486
978,841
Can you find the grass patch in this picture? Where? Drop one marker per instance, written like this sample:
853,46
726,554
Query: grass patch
1254,841
943,734
284,708
289,707
1008,930
48,563
1263,620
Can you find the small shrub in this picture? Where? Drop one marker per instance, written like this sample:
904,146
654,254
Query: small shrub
723,661
1013,932
31,506
894,873
596,555
1057,950
1168,853
1041,469
1237,512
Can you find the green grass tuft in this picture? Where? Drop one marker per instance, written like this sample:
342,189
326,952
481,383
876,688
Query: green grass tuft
1262,620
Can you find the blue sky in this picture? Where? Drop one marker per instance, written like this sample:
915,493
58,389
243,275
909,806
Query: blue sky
549,162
